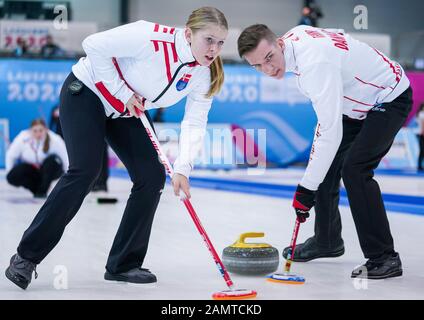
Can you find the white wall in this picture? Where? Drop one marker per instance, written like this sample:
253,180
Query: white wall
279,15
398,19
384,16
393,17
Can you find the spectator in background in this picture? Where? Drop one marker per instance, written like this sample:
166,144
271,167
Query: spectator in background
315,13
36,157
21,47
50,49
306,17
420,120
311,13
159,115
55,122
101,182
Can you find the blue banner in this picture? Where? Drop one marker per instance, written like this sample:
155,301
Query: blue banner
404,151
250,100
4,141
30,89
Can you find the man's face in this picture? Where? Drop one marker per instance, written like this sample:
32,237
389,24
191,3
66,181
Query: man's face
268,58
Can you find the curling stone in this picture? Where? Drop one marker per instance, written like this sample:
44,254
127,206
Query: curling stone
250,258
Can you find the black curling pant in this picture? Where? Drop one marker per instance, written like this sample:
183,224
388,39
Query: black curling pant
36,180
363,146
85,128
104,172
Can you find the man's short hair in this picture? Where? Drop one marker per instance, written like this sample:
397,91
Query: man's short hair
251,36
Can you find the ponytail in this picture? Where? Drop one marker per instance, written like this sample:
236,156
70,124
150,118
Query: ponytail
217,77
46,145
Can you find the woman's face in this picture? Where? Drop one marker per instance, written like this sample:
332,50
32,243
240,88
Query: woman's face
206,44
38,132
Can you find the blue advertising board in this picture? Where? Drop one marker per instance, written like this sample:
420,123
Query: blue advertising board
250,100
30,89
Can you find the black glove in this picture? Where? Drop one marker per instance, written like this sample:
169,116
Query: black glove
303,201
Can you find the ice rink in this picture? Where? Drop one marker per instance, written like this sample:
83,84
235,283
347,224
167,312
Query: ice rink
179,258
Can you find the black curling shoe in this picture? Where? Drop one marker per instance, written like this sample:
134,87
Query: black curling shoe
20,271
136,275
387,266
310,250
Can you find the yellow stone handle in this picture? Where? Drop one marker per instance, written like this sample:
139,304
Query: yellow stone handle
240,243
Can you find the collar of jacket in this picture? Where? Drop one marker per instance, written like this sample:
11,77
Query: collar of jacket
183,47
289,56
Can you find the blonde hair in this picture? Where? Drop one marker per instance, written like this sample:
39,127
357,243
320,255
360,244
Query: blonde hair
200,19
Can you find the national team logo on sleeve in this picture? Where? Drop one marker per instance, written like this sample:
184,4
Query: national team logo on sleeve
182,83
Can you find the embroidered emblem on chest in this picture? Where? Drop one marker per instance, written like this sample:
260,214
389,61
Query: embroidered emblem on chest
182,83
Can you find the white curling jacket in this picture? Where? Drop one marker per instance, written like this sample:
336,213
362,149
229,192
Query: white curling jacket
341,76
156,62
26,149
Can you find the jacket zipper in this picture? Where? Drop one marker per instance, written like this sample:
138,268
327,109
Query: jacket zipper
172,80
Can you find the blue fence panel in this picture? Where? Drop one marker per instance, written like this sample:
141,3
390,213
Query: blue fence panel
30,89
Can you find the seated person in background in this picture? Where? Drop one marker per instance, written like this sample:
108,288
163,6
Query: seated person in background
55,125
50,49
159,115
21,48
35,158
306,17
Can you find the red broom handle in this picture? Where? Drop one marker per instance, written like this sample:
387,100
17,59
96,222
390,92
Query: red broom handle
192,212
293,246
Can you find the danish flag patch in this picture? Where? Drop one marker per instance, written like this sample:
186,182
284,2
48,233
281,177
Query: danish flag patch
182,83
